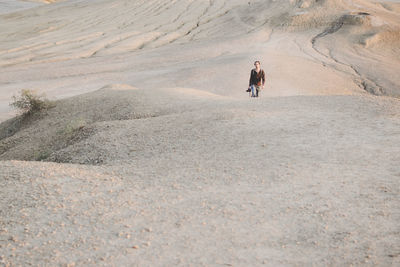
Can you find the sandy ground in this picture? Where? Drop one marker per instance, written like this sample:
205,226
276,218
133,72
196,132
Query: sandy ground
155,156
9,6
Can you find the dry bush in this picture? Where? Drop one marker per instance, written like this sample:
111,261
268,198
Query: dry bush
29,102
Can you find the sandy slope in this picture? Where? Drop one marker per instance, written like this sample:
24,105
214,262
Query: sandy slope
157,157
283,181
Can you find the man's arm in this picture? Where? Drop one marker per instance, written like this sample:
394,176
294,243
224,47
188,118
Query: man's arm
263,78
251,74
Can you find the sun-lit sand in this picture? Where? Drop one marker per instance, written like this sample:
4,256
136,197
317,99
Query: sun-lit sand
154,154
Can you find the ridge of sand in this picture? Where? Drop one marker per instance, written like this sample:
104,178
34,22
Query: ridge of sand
75,119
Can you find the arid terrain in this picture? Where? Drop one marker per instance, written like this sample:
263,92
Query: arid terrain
153,154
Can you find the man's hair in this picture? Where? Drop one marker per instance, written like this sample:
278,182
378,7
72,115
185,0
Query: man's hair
257,62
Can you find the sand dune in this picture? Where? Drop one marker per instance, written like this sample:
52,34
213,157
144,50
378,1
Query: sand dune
168,181
154,154
133,44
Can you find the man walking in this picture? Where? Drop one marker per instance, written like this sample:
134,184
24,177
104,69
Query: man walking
257,79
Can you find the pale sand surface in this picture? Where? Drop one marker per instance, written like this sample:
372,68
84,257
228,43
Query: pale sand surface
157,157
9,6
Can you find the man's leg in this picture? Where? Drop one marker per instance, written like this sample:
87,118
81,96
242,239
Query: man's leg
253,88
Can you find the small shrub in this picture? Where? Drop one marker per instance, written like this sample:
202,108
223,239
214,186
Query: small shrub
72,127
29,102
41,155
